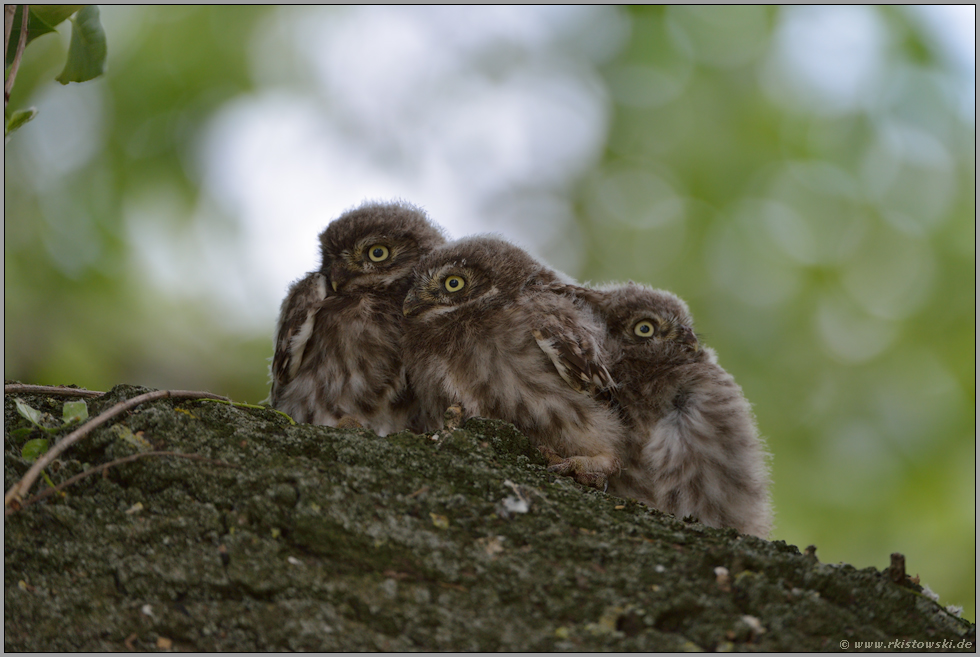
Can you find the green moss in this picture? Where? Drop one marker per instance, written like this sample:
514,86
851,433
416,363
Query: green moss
326,539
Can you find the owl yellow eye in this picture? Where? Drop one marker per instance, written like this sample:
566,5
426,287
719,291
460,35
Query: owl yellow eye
454,283
644,328
377,253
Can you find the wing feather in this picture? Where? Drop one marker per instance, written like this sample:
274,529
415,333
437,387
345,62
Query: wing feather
576,357
294,328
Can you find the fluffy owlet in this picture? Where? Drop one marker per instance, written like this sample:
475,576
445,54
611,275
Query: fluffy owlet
487,333
337,346
694,449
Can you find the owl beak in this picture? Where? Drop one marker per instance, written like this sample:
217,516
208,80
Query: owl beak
339,277
688,338
412,304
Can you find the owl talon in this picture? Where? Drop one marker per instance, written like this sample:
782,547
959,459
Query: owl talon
592,479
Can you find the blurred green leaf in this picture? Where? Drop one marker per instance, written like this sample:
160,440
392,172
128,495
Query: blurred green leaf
135,440
42,20
52,15
87,51
32,415
18,119
911,39
33,449
22,432
75,411
47,479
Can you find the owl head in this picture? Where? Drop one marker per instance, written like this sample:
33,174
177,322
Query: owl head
478,272
638,316
375,246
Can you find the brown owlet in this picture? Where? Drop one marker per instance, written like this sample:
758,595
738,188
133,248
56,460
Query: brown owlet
338,339
487,333
694,449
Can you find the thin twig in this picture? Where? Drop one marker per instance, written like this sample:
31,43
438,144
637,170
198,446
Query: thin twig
21,43
48,492
50,390
8,26
18,490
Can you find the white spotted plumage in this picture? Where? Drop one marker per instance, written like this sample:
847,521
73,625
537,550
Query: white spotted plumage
694,448
505,346
338,339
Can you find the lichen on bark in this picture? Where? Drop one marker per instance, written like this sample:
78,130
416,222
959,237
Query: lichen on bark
327,539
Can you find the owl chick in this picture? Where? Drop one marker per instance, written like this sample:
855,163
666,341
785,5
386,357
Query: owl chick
694,449
485,332
337,345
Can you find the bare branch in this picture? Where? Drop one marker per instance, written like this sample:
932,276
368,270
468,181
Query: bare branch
21,43
8,26
50,390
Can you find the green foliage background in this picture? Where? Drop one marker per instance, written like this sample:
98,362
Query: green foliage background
829,257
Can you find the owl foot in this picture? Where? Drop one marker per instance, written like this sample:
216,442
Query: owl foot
550,455
349,422
591,479
453,417
587,470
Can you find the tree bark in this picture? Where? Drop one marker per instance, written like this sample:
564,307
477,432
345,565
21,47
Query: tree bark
328,539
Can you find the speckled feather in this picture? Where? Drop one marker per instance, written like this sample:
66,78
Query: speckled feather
338,340
505,346
694,448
